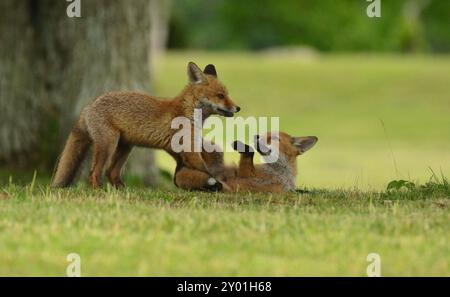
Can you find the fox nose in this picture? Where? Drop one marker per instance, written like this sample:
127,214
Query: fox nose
238,109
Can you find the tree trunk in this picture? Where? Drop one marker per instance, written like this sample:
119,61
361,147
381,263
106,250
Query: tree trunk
413,39
21,119
51,66
159,33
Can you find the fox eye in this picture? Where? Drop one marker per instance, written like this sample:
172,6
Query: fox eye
221,96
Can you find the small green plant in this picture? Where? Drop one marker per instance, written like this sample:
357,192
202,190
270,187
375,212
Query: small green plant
399,184
406,189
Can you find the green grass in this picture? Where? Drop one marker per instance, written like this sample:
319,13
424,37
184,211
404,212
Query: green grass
348,214
139,232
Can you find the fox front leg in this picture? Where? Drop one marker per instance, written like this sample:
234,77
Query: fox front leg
195,161
246,166
191,179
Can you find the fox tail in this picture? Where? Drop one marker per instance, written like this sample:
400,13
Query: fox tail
72,157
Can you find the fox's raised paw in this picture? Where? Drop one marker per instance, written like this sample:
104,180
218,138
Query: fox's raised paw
242,148
213,185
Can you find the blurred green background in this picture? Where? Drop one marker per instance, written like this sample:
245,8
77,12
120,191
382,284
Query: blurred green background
327,25
378,117
375,91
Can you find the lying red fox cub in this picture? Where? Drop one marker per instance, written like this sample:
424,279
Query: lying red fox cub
275,177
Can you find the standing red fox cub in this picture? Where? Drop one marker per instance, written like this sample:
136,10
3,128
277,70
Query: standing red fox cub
115,122
275,177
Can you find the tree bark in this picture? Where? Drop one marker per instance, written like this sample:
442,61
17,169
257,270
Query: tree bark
20,112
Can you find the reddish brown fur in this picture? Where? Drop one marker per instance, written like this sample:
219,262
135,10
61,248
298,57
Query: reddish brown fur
248,177
117,121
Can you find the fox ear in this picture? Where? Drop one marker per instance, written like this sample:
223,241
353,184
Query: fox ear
210,70
304,144
195,75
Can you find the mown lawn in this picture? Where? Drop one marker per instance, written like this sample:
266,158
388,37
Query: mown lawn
378,118
140,232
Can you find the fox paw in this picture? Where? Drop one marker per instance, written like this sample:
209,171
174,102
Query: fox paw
243,148
213,185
